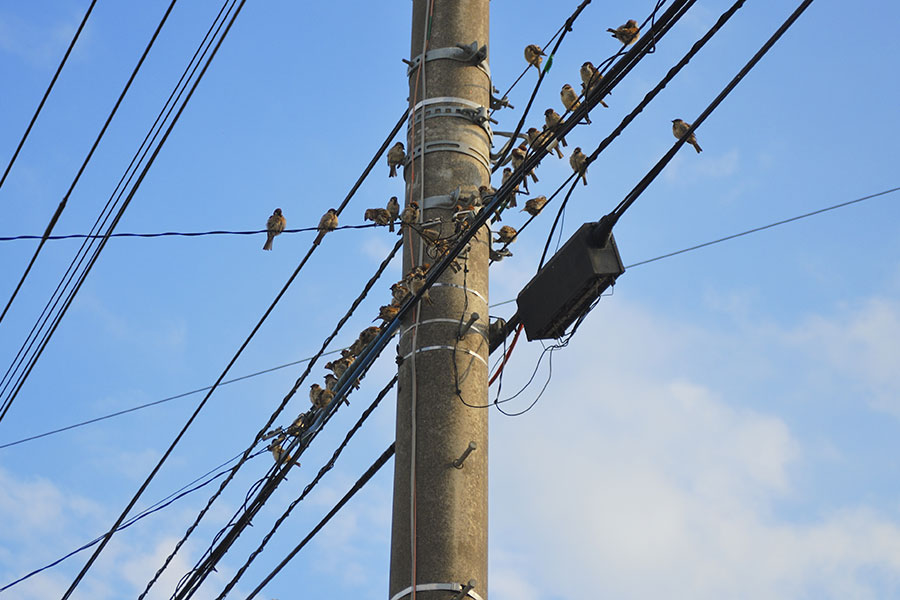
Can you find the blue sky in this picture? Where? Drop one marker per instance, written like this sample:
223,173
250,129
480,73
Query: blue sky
725,425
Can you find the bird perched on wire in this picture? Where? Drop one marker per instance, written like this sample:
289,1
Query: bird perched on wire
535,205
533,54
506,235
379,216
679,128
339,366
365,338
415,281
315,393
393,208
570,100
274,226
325,398
538,138
330,381
507,173
578,160
627,33
485,192
399,293
552,121
278,452
410,215
396,156
518,158
387,313
590,77
328,222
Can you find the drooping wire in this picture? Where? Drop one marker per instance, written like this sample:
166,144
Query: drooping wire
157,402
284,401
47,92
87,159
178,233
154,508
309,487
143,487
101,220
363,480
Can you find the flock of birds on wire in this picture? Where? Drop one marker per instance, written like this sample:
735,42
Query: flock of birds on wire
469,204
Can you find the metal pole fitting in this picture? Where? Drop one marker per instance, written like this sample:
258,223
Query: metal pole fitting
458,463
463,593
468,325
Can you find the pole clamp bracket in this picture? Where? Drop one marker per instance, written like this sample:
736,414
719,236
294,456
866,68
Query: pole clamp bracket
462,591
450,146
447,106
472,54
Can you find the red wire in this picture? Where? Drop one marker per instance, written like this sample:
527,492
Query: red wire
508,354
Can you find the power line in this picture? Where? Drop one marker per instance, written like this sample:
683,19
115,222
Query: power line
154,508
101,220
118,522
175,233
47,93
87,159
363,480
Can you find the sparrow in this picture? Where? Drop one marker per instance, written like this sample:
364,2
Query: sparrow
507,173
315,392
533,54
518,158
590,76
399,293
396,156
552,119
485,192
330,381
328,222
627,33
535,205
498,255
365,338
578,160
393,208
278,452
387,313
379,216
274,226
409,215
679,128
415,281
340,365
506,235
539,138
325,398
570,100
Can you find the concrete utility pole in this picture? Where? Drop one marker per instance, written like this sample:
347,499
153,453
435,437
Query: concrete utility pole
439,533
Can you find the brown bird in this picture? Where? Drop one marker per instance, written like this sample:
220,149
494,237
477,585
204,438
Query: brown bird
274,226
538,138
325,398
379,216
415,281
506,235
590,77
507,173
330,381
679,128
578,160
553,120
315,392
328,222
393,208
533,54
410,214
278,452
518,158
387,313
570,100
340,365
396,156
627,33
399,293
365,337
535,205
484,192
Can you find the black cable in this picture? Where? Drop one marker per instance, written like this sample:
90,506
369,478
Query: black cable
47,92
156,402
363,480
154,508
658,167
177,233
87,159
284,401
327,467
143,487
138,157
497,402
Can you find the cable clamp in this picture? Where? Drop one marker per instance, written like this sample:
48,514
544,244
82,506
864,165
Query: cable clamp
451,146
451,348
462,591
443,201
445,106
471,54
507,145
